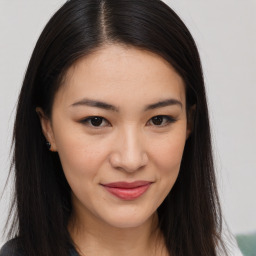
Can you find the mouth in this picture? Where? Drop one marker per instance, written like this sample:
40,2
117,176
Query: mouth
126,190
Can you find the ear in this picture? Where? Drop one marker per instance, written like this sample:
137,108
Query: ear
47,128
190,119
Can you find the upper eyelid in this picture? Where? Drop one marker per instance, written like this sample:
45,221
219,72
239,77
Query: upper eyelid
91,117
170,120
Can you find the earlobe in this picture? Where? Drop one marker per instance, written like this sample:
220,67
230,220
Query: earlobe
190,120
47,129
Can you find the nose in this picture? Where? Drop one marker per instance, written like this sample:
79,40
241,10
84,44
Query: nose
129,152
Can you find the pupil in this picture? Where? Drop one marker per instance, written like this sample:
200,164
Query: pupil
157,120
96,121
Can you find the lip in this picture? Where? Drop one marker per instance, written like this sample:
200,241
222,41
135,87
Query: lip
127,190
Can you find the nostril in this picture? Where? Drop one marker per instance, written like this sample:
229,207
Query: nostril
129,150
129,163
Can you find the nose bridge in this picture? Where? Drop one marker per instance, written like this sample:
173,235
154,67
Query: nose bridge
131,154
132,145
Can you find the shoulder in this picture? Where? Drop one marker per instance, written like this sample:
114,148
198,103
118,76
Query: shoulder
11,249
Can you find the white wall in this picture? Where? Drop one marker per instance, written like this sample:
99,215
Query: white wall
225,33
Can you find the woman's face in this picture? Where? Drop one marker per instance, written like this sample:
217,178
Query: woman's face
119,126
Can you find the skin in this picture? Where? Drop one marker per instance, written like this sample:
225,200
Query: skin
127,146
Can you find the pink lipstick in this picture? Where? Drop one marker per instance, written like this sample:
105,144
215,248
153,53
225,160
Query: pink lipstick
126,190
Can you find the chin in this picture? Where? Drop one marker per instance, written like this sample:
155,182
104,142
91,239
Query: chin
126,224
127,220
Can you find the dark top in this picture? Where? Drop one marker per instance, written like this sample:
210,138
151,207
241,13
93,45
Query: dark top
11,249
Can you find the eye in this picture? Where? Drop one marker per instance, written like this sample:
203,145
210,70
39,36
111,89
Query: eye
95,121
161,120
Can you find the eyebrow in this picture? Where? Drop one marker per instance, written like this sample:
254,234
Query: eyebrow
95,103
163,103
106,106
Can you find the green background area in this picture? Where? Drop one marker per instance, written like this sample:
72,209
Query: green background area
247,244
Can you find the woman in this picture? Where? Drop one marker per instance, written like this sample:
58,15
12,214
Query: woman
112,140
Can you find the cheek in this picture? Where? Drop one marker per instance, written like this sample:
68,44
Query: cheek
169,151
79,156
81,162
168,156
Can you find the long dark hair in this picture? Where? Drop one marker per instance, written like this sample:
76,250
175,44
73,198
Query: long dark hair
190,216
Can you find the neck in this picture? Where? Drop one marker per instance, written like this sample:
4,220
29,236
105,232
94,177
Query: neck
94,237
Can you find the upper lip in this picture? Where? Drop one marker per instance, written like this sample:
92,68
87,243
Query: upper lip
124,184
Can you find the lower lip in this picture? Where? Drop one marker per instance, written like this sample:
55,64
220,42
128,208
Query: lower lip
128,193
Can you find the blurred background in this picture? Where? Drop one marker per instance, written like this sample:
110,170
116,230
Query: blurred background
225,32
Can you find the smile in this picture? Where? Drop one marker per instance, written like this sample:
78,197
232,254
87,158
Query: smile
127,191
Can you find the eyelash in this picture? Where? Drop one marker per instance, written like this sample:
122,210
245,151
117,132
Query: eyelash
87,121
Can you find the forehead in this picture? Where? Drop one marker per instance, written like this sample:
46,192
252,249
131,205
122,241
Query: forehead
121,74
